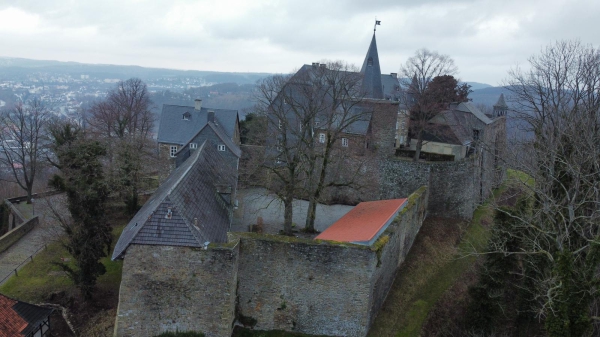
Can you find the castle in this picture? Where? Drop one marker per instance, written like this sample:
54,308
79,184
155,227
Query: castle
184,270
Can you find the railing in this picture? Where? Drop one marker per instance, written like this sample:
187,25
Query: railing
28,259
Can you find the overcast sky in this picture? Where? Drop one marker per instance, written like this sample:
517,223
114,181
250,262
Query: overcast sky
485,38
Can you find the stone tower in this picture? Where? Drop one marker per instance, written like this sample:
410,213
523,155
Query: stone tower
500,108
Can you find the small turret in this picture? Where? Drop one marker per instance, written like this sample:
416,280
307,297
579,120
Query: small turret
500,108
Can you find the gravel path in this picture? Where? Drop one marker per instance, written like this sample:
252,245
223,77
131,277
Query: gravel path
46,231
256,202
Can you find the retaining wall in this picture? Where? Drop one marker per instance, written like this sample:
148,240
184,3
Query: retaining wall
15,234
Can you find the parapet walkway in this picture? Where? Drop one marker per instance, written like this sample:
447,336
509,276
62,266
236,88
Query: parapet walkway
45,232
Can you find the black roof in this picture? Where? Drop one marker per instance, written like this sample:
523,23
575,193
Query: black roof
372,73
174,129
199,213
33,314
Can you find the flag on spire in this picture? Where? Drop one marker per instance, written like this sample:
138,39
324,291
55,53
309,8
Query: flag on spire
377,23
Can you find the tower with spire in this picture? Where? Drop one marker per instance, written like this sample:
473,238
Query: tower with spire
371,71
500,108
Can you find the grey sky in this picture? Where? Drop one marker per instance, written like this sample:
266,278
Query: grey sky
485,37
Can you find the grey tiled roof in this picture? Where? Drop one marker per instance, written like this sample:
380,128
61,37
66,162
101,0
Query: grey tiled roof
470,108
218,130
501,102
371,85
200,214
389,86
174,129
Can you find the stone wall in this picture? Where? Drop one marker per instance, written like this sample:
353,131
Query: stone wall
305,285
453,185
393,245
15,234
265,281
178,288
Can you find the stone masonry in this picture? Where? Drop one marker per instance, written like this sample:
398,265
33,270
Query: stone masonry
265,281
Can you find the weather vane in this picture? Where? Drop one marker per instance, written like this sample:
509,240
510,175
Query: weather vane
377,22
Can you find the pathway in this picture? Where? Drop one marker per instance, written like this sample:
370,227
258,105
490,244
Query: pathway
46,231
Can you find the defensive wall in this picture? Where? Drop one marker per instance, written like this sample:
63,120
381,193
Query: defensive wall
455,187
266,282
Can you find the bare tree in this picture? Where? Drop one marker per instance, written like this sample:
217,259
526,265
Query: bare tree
556,235
22,142
417,73
316,101
124,122
335,119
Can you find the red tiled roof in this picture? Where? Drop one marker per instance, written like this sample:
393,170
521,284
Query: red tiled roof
363,222
11,324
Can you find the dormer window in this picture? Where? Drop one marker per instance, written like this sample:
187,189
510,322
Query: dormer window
186,116
193,146
370,61
475,135
221,147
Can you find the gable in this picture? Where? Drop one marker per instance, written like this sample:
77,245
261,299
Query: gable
173,128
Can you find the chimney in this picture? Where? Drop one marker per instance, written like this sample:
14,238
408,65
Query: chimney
323,65
315,64
211,116
394,75
197,104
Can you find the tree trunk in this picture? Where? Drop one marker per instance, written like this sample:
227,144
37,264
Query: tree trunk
288,211
419,145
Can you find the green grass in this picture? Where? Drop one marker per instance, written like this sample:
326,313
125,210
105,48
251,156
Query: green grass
41,277
425,298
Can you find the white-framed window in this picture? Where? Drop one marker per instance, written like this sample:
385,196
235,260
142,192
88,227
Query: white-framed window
345,142
280,124
193,145
172,150
321,138
221,147
186,116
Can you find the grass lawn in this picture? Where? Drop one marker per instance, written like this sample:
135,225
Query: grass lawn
39,278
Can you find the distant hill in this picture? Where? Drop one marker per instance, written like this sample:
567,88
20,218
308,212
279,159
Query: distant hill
488,95
477,85
15,67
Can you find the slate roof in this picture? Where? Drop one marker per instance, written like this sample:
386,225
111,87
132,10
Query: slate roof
364,222
470,108
19,318
501,103
389,84
199,213
218,130
371,71
174,129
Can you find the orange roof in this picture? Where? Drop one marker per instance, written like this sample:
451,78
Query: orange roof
363,222
11,324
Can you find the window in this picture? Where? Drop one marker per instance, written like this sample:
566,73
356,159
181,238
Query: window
186,116
475,135
280,124
370,61
173,150
321,138
193,145
345,142
221,147
316,122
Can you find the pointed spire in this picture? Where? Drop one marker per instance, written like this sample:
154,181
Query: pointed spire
501,102
372,73
500,108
